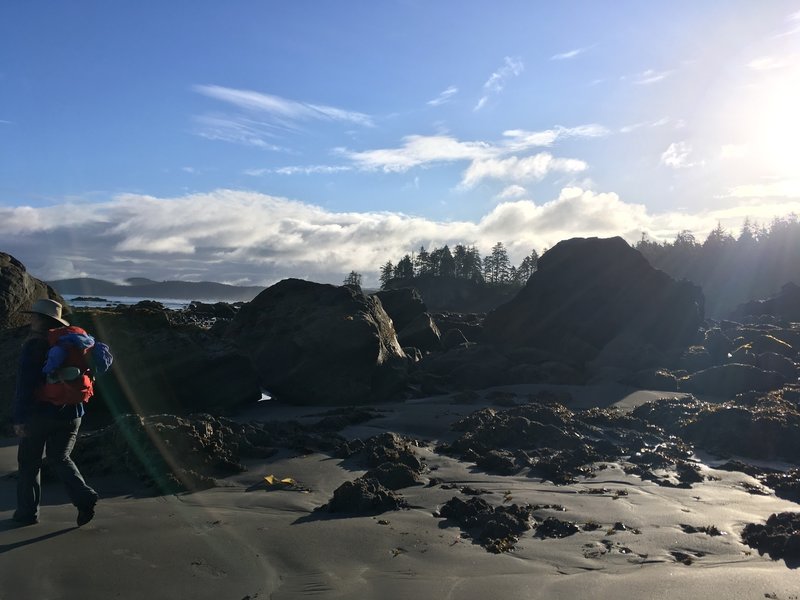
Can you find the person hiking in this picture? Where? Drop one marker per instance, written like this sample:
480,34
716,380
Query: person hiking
48,407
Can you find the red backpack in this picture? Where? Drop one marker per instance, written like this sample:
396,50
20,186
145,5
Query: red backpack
72,383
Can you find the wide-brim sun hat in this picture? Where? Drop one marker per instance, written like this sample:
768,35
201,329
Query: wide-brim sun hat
48,308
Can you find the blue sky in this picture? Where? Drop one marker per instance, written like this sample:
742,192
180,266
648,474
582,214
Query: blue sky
249,141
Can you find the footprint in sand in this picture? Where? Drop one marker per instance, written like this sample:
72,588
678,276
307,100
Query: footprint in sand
126,553
201,567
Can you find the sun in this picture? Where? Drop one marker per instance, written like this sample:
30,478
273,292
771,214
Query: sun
776,125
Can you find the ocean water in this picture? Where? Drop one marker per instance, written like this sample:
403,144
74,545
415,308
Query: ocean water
170,303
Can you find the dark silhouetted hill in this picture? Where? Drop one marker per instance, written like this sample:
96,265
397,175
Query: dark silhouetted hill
147,288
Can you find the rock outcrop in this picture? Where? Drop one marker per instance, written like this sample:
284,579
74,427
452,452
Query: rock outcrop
163,368
588,293
785,305
728,380
412,323
18,291
312,343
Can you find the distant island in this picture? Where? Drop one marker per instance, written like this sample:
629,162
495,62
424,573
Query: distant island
147,288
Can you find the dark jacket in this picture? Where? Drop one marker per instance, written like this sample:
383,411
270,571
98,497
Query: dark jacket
29,377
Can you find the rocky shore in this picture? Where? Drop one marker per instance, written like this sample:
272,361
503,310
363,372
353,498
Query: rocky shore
596,422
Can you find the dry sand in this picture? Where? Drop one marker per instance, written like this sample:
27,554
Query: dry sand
241,540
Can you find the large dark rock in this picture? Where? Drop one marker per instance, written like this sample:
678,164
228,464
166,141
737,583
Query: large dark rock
766,427
496,528
421,333
588,292
728,380
785,305
162,368
779,537
18,291
313,343
403,305
363,496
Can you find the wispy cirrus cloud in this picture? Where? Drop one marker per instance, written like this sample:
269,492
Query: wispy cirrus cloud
662,122
794,29
282,108
650,76
512,67
300,170
236,129
768,63
518,139
444,97
569,54
259,118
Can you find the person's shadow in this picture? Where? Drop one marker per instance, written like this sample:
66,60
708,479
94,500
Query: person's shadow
10,524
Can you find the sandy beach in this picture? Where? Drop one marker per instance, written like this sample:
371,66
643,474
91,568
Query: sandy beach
246,540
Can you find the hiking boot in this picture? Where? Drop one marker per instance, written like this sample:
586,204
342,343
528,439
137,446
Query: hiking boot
86,513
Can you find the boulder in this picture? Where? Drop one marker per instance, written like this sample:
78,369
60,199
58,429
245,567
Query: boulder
728,380
770,343
453,338
162,368
403,306
313,343
473,366
421,333
18,291
785,305
717,344
469,324
772,361
588,292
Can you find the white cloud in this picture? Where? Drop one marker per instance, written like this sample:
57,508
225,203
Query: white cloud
767,63
677,155
300,170
419,150
569,54
235,129
512,67
651,76
512,192
794,19
519,139
663,121
282,108
230,235
444,97
530,168
788,188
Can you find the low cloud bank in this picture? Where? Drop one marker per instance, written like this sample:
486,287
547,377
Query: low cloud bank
251,238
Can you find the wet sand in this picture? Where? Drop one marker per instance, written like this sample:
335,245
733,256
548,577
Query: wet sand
245,540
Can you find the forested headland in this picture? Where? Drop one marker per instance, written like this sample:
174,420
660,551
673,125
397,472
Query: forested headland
732,267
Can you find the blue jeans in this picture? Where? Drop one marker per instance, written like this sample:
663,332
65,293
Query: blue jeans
58,437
